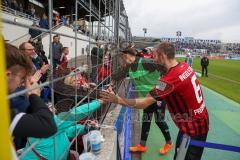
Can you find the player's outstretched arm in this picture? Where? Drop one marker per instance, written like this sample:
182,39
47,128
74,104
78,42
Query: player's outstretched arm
139,103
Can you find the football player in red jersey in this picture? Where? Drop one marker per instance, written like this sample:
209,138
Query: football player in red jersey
181,90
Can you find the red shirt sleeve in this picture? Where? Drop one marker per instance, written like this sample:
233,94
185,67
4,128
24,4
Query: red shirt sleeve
162,89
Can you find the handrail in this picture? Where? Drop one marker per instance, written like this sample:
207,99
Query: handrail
44,33
18,13
46,30
18,38
56,27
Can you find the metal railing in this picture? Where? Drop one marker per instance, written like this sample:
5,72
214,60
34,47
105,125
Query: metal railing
18,13
19,38
45,33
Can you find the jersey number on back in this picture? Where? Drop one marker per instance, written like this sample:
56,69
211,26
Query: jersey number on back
197,89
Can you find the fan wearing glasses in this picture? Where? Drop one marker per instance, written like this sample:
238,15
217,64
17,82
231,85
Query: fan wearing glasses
40,66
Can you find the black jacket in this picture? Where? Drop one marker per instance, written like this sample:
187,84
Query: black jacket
204,62
38,122
96,55
34,33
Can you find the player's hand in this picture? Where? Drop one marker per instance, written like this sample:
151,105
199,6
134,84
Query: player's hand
109,96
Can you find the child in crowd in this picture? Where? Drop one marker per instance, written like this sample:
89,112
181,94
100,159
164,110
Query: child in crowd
104,70
64,60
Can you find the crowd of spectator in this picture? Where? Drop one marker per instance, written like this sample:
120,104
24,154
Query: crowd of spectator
28,66
39,20
26,8
233,47
212,48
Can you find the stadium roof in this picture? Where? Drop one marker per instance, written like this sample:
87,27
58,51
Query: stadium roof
67,7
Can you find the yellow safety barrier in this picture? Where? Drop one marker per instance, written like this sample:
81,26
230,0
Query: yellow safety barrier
5,151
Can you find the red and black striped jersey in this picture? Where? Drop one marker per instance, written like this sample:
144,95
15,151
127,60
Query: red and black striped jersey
185,101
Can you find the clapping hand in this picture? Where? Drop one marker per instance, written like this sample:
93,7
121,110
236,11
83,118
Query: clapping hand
44,68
